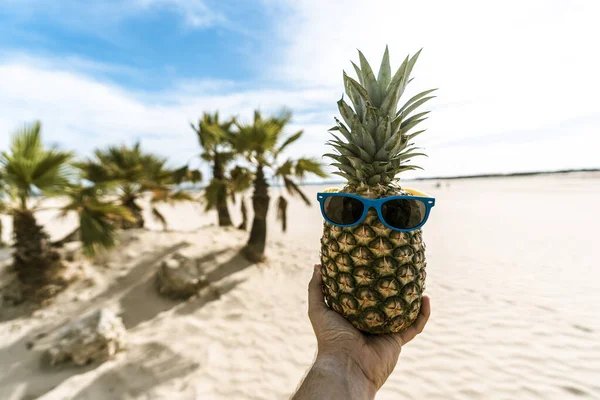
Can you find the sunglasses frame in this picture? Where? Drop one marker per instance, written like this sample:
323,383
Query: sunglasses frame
376,204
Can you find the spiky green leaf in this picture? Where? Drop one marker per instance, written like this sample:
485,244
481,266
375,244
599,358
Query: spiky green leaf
345,168
410,123
370,83
385,73
413,100
343,130
366,140
370,123
390,100
357,101
346,112
359,73
374,180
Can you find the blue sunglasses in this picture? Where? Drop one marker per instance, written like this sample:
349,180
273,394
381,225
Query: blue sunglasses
399,213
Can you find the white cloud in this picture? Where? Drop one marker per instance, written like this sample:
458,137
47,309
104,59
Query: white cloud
517,83
90,15
500,67
196,13
81,113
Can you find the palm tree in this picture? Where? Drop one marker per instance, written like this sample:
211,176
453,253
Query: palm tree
217,151
29,168
134,173
262,143
98,217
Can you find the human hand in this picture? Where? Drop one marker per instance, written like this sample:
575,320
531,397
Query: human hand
368,357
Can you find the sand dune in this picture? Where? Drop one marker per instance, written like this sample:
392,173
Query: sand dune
512,271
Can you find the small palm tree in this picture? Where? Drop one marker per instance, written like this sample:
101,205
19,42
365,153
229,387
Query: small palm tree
262,143
98,217
29,169
218,153
237,181
133,174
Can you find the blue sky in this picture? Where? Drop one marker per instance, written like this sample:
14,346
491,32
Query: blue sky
517,81
150,44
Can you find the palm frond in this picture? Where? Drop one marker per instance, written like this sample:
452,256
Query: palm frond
306,166
98,225
213,191
185,174
285,169
27,142
98,219
160,218
289,141
240,179
261,136
282,205
293,189
169,196
211,132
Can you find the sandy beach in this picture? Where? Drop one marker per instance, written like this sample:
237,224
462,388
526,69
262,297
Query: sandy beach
513,274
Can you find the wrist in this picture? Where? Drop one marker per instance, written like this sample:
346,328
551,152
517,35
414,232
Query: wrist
344,368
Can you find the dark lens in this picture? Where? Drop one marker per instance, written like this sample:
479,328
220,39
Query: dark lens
343,210
403,213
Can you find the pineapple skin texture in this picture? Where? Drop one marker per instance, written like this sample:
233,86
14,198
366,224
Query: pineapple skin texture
372,275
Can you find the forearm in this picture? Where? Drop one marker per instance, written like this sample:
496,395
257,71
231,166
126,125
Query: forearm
335,377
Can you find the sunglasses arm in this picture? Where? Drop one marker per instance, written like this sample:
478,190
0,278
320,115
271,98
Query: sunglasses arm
416,192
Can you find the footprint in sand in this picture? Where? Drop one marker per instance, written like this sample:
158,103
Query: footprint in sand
575,391
545,308
582,328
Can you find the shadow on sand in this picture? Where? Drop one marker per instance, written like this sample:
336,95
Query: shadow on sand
27,378
146,367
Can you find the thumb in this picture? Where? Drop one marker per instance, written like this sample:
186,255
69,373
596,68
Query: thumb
316,301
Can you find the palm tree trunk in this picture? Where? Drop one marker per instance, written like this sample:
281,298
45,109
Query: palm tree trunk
1,229
136,210
244,212
222,210
255,248
37,264
282,205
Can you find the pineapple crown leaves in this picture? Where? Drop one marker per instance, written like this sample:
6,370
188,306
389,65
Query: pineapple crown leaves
373,137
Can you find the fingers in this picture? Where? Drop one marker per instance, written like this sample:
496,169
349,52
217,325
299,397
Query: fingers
418,326
316,302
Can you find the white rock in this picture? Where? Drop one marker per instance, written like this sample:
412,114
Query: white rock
180,277
94,338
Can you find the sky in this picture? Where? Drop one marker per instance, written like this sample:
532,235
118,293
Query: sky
517,81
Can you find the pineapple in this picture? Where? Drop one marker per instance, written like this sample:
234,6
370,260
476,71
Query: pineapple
372,275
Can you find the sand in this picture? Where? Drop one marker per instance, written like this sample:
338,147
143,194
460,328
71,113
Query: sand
513,274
